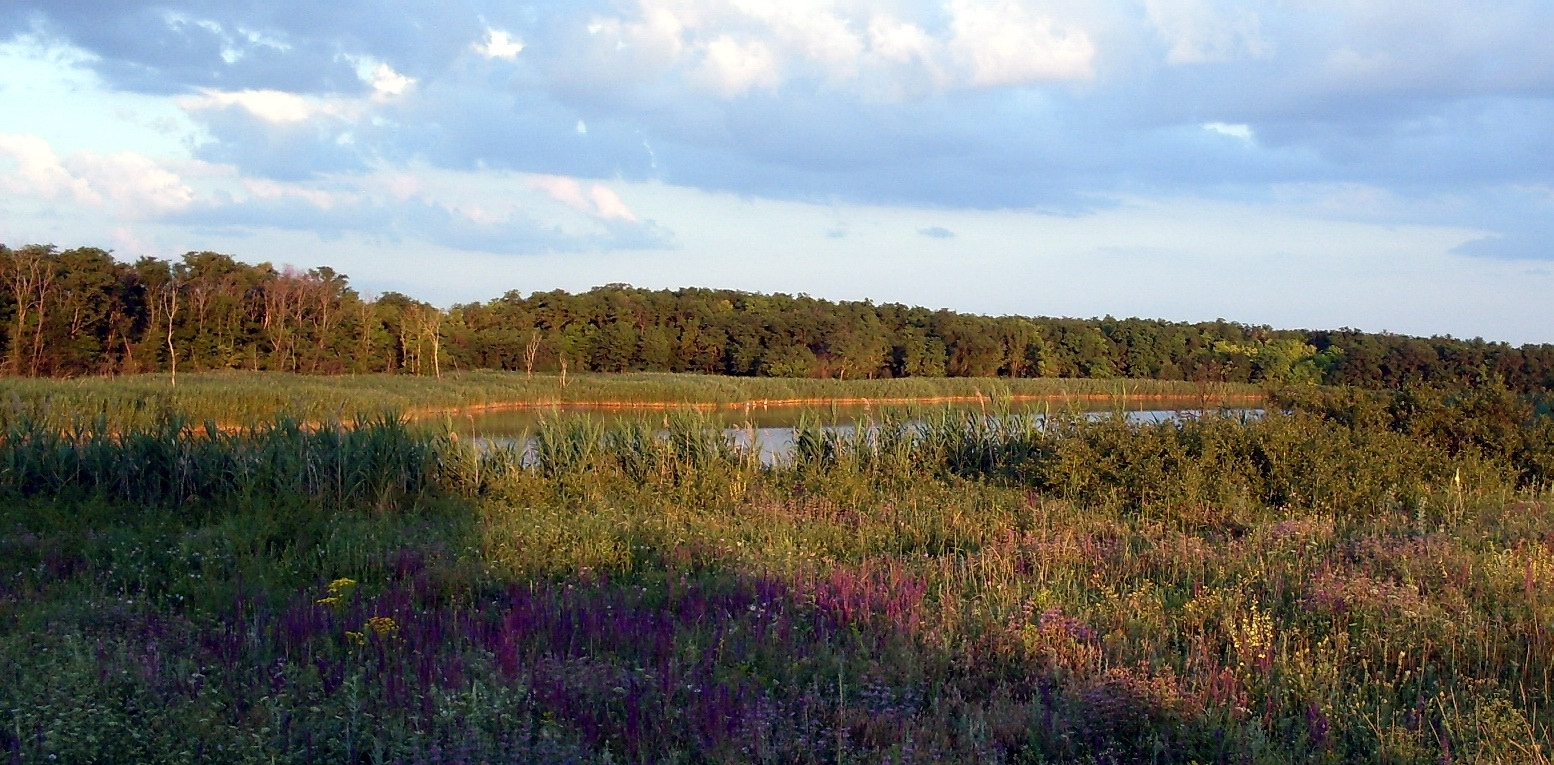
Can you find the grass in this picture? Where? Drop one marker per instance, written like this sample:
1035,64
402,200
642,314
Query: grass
253,398
1360,580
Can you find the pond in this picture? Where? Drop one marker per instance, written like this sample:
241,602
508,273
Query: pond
771,429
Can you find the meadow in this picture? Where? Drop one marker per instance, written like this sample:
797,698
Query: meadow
1350,577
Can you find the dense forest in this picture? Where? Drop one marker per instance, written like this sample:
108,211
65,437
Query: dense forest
81,312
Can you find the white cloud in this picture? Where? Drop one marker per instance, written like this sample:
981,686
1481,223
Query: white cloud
386,83
38,171
264,40
499,44
597,200
732,67
904,60
609,206
1006,43
130,184
652,41
261,188
269,105
1200,32
900,42
733,47
133,183
564,190
1234,130
808,30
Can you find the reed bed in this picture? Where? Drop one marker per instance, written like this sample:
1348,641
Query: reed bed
247,399
1347,580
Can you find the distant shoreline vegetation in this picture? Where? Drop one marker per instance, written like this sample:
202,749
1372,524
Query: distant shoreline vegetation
79,312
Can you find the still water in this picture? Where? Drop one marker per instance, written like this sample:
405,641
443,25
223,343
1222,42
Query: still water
771,429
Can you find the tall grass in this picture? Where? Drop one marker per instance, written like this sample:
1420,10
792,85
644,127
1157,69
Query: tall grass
375,462
254,398
1322,585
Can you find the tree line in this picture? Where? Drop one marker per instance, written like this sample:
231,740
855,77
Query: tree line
82,312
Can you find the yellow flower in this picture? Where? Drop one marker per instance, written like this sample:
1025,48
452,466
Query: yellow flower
382,626
1253,637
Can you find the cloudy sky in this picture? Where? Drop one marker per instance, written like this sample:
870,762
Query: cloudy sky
1379,164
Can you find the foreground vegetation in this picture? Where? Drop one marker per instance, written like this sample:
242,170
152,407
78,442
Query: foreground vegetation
253,398
80,312
1360,579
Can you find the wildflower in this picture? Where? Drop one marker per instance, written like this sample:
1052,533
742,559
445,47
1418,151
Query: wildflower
1253,639
382,626
339,590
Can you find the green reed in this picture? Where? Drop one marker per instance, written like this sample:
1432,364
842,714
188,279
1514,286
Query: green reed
368,462
256,398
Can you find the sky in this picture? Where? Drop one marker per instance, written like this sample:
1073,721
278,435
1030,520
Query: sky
1386,165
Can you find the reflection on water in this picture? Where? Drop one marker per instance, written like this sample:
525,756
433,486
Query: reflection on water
772,430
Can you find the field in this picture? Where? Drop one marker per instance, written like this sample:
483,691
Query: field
251,398
1351,577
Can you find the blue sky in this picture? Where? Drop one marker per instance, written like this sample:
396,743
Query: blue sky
1385,165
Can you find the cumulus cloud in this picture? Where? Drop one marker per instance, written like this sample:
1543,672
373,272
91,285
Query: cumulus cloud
897,42
732,47
999,103
126,183
567,191
323,199
609,206
268,105
384,81
809,30
596,199
733,67
37,170
499,43
1006,43
133,183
